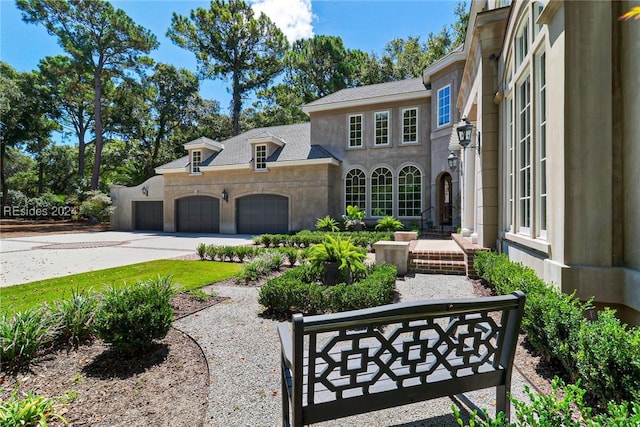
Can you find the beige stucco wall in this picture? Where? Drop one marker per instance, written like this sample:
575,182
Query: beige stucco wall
330,129
308,189
124,197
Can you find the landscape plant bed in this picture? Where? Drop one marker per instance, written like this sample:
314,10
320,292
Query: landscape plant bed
168,386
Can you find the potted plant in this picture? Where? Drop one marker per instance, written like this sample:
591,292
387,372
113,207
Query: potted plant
339,259
353,220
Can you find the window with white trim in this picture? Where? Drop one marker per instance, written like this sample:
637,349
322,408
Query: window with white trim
355,131
522,43
382,128
540,101
381,192
524,156
509,164
410,126
444,106
260,157
355,189
409,191
196,159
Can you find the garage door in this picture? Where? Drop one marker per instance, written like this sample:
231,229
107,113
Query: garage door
198,214
148,216
263,213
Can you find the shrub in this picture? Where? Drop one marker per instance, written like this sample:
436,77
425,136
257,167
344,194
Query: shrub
73,318
389,223
353,220
604,355
291,253
131,318
297,290
202,251
22,335
97,207
327,224
31,410
564,406
243,252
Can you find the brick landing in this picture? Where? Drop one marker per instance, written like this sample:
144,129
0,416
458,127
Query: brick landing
443,256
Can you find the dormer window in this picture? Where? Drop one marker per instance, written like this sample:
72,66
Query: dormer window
196,159
260,157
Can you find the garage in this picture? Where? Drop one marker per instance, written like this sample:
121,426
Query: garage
148,216
198,214
262,213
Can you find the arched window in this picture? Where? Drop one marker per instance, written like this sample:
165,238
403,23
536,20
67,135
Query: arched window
409,191
381,192
355,189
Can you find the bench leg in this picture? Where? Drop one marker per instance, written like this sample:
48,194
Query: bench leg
503,404
284,391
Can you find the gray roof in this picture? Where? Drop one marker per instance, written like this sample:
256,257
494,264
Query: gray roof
237,149
372,91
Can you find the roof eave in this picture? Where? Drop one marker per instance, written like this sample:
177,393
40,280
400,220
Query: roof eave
304,162
405,96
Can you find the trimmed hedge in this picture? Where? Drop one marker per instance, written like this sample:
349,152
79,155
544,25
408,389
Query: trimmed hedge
298,290
603,354
304,239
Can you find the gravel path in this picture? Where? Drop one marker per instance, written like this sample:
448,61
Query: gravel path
242,350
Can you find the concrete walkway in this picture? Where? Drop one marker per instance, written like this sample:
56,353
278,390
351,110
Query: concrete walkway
27,259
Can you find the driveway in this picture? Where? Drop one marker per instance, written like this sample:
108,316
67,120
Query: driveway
27,259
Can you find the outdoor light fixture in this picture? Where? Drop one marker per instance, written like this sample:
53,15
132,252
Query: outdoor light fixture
225,195
452,160
465,130
145,191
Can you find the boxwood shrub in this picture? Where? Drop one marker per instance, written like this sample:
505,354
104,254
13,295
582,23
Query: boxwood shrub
299,290
603,354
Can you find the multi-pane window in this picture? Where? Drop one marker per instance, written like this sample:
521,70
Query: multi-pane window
355,130
196,159
355,189
410,126
541,143
524,156
509,164
409,191
382,128
522,43
261,157
444,106
381,192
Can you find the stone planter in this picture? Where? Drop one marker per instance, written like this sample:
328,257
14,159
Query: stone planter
405,236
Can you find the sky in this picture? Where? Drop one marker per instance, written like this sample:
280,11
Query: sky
362,24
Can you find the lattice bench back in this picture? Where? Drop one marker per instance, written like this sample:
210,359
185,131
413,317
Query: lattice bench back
348,363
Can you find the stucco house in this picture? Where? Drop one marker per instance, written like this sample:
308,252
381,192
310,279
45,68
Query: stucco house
375,146
549,174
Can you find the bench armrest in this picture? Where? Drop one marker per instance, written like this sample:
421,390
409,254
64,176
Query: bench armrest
286,344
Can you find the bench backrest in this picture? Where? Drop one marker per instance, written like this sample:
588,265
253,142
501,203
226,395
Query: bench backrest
399,346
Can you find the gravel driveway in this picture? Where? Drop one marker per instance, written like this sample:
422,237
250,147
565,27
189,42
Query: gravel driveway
242,350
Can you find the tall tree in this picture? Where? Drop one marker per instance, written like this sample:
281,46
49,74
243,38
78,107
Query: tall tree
73,92
149,111
103,40
26,115
229,41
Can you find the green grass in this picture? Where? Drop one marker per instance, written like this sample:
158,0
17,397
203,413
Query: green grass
186,274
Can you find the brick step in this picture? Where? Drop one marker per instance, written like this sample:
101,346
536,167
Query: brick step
431,266
437,255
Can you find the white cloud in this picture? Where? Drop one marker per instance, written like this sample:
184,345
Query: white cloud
293,17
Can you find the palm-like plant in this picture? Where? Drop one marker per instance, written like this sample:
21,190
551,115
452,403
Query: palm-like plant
389,223
327,224
348,256
354,218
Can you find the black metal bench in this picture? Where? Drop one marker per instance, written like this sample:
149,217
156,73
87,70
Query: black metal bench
349,363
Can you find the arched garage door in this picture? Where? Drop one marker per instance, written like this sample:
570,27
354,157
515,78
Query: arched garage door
198,214
262,213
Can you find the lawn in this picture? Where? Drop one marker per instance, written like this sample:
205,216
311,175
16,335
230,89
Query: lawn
186,274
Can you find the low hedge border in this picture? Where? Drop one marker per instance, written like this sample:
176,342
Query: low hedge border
298,291
602,354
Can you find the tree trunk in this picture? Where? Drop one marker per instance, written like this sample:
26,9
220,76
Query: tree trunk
3,179
40,175
97,106
236,105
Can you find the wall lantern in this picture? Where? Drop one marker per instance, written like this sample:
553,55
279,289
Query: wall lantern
145,191
452,160
225,195
465,130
